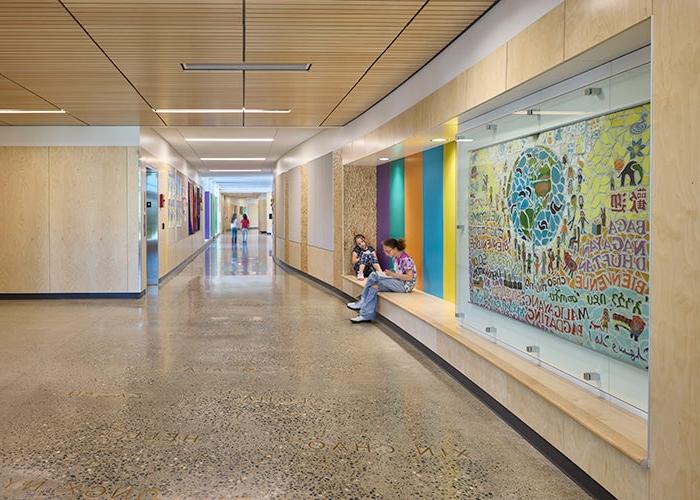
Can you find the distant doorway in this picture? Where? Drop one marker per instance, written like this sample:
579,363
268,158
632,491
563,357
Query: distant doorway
152,227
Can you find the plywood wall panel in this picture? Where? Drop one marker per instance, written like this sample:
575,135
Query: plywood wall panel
675,224
321,264
88,219
338,230
359,207
304,219
588,23
537,48
487,78
24,225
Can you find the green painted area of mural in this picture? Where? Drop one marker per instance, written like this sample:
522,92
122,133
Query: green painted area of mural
559,232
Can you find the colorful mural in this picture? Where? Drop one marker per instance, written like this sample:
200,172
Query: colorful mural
559,232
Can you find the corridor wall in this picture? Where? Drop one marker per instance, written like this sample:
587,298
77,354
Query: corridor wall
416,201
71,220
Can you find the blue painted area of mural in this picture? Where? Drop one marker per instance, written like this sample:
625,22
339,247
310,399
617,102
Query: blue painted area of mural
433,227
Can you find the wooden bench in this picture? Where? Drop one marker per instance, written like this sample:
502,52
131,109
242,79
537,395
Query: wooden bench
603,439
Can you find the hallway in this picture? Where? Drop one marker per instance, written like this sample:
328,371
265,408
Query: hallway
237,379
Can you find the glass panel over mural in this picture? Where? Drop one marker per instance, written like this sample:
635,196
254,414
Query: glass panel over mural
559,232
554,249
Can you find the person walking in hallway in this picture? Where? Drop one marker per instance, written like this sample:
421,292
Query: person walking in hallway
245,223
234,229
402,281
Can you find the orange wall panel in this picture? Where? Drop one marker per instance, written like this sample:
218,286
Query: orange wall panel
413,188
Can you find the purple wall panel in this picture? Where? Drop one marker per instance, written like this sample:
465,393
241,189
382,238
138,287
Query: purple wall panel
207,226
383,211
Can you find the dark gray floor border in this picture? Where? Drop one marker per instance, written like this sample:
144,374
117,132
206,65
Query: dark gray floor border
182,265
65,296
561,461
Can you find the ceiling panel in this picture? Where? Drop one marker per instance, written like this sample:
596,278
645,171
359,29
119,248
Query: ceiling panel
13,96
43,49
339,38
149,40
432,30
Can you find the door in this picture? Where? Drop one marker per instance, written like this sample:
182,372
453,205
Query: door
152,226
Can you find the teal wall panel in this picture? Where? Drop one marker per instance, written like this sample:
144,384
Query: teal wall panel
433,226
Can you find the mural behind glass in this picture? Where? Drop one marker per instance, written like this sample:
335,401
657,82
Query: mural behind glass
559,232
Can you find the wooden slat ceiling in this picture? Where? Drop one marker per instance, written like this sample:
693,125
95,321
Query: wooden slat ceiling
111,61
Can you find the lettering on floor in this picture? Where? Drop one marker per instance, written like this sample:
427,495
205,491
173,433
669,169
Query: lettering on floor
418,450
54,489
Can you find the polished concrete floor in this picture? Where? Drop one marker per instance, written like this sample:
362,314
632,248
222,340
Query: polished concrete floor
239,380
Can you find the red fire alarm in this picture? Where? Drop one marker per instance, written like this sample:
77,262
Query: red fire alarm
162,200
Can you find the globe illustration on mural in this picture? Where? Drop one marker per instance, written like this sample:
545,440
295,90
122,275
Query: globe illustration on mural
536,195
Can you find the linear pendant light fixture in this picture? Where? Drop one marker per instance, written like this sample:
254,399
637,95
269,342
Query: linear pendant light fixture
222,110
226,67
237,170
230,139
232,159
32,111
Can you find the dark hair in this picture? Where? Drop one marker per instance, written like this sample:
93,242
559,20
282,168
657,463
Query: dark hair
399,244
245,216
358,235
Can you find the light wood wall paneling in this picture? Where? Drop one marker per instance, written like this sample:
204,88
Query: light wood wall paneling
24,225
589,22
88,219
537,48
338,231
304,218
320,264
487,78
136,257
675,222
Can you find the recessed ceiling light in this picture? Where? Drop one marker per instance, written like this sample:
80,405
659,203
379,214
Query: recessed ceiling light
232,159
552,112
384,159
244,67
465,140
230,139
237,170
222,110
32,111
438,139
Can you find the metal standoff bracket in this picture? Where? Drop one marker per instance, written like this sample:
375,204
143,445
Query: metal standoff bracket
533,349
588,376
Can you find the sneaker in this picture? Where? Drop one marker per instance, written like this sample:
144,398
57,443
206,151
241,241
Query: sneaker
360,276
360,319
355,306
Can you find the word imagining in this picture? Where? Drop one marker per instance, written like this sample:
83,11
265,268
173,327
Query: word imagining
269,399
165,437
417,450
53,489
97,395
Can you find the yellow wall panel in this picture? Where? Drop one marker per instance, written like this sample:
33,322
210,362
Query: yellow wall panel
537,48
88,219
450,222
590,22
24,225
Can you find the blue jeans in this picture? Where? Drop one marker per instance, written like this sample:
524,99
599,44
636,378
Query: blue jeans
368,301
234,235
